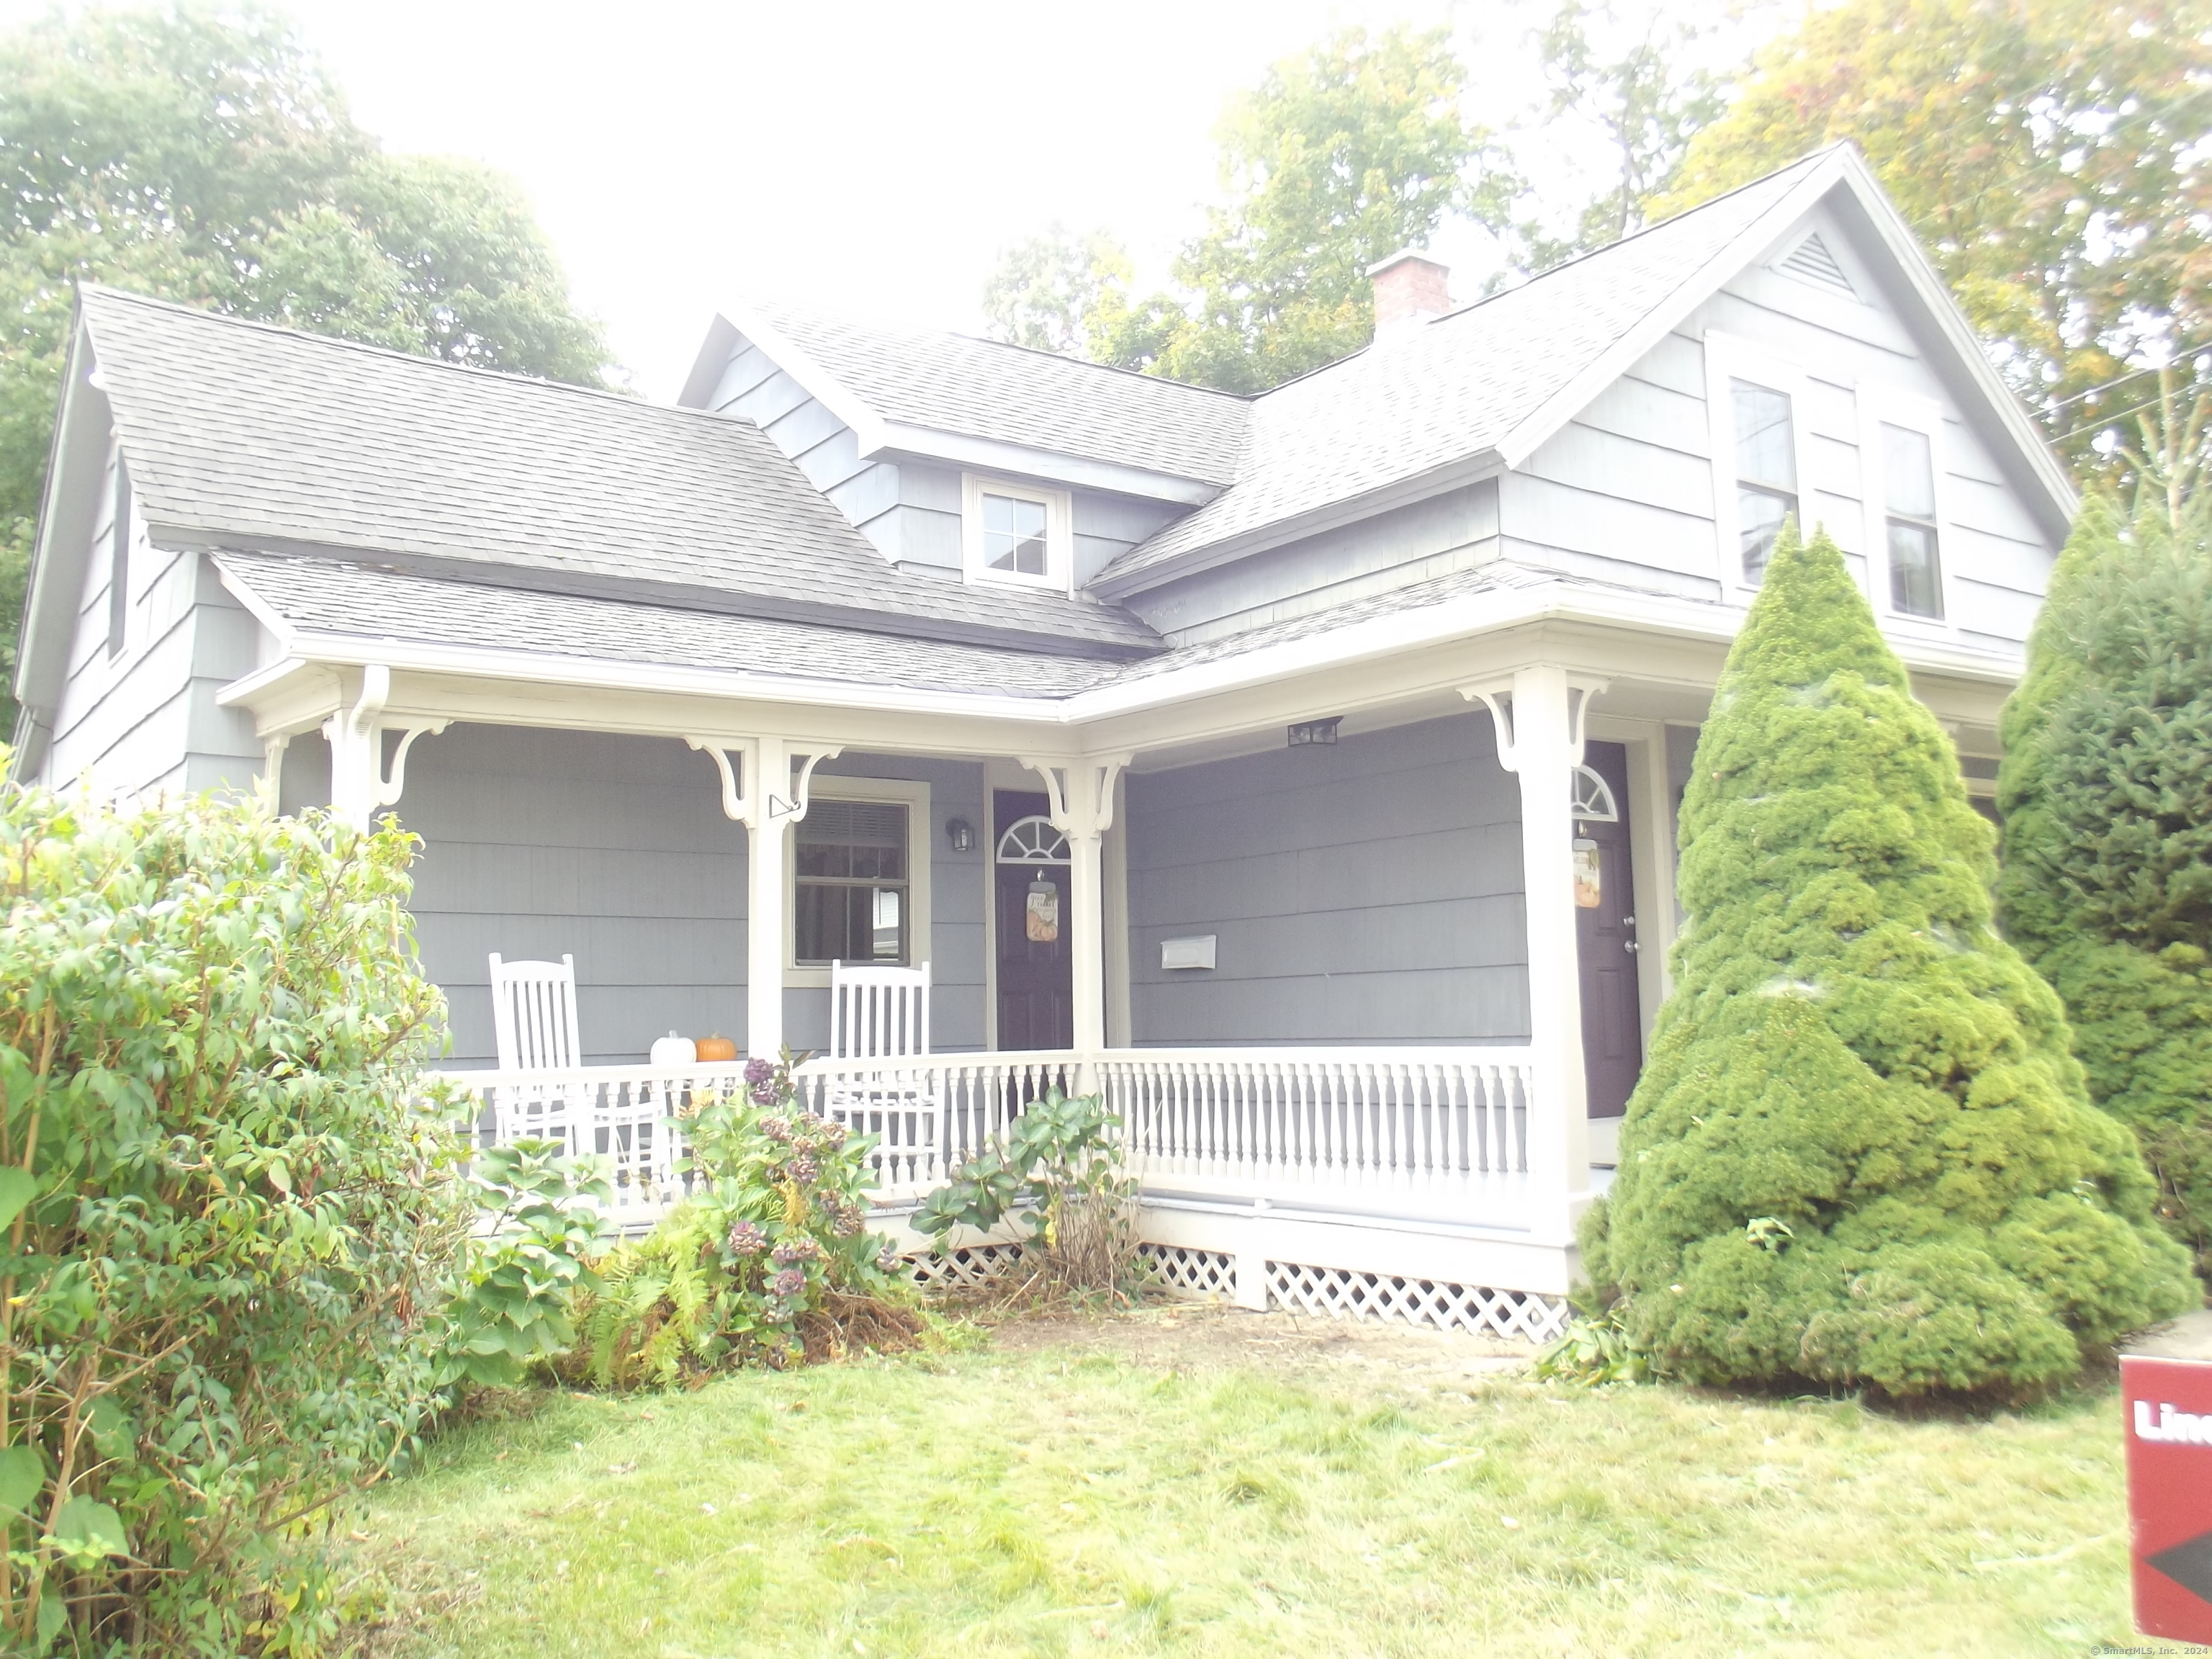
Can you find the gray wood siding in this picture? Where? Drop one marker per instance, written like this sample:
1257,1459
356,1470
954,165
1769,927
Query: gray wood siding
613,848
1367,892
1625,492
1389,551
146,721
537,842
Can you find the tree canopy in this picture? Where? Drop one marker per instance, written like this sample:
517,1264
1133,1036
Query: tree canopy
1861,1152
2054,159
205,156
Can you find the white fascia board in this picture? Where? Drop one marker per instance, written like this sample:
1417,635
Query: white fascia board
1288,660
1487,613
826,388
1437,480
993,455
1550,416
609,674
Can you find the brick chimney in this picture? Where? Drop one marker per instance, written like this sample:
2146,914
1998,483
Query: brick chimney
1410,287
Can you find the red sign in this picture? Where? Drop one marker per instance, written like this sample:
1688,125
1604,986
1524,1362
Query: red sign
2168,1407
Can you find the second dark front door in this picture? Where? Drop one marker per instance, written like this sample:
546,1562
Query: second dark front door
1035,974
1605,937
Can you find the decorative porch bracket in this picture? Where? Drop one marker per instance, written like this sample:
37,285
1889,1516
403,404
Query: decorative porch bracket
1540,715
747,765
1080,794
360,782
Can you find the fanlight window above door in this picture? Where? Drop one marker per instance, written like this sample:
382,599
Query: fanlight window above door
1592,797
1034,840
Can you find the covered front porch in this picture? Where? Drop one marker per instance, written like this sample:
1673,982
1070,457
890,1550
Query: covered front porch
1344,936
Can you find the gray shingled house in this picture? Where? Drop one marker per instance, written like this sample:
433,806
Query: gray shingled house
1299,767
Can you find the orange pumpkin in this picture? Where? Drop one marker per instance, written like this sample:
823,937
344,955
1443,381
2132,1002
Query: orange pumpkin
713,1048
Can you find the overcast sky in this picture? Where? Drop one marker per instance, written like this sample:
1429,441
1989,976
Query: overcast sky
868,158
871,159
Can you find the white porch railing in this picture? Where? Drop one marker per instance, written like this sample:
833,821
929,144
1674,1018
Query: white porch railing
1443,1132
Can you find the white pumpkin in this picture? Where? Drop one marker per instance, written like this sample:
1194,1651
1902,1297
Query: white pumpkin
673,1050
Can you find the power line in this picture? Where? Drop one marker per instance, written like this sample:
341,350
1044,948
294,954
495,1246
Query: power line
2132,374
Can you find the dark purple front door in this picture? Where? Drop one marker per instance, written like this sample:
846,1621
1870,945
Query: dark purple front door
1605,936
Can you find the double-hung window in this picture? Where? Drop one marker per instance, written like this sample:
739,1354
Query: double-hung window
1765,471
1015,532
853,885
1908,484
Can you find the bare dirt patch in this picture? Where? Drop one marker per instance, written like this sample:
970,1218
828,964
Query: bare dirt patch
1192,1336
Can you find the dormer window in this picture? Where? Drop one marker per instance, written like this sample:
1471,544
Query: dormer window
1015,532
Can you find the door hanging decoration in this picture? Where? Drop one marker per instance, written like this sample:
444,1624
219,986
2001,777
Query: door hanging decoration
1590,885
1041,916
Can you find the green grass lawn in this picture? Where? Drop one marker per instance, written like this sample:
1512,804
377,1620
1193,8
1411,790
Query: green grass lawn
1219,1484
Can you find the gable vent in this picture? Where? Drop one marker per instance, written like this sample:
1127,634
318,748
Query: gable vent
1811,260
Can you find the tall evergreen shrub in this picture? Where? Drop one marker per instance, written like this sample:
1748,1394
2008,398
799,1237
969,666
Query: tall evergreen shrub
2107,791
1861,1153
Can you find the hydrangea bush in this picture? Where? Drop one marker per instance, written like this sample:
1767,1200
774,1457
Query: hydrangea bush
768,1256
1861,1153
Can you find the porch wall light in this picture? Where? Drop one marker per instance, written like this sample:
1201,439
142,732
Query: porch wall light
960,835
1312,732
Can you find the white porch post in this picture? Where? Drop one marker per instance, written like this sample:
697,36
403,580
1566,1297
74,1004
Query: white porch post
1539,716
359,784
759,791
1081,794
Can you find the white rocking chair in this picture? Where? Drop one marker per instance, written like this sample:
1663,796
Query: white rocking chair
534,1025
882,1015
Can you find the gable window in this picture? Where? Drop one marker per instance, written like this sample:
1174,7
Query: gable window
852,885
1013,532
1765,471
1908,475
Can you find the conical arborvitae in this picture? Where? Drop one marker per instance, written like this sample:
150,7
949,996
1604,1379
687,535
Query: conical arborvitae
1861,1153
2107,790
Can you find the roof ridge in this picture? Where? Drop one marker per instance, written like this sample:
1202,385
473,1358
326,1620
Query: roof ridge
1576,259
505,377
1009,345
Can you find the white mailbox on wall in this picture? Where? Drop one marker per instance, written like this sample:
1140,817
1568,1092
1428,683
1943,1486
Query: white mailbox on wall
1193,952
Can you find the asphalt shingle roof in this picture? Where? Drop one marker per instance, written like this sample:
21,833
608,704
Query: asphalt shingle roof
1456,386
980,388
245,434
336,596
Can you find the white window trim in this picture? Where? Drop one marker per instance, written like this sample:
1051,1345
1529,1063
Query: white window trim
1881,406
1730,358
897,791
1059,532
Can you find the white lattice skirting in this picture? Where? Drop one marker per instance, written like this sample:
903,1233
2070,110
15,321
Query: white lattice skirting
958,1269
1340,1293
1198,1273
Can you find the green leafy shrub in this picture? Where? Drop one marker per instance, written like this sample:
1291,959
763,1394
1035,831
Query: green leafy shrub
769,1261
1861,1153
227,1216
2107,792
526,1264
1061,1166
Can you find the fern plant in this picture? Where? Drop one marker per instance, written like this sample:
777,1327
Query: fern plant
772,1245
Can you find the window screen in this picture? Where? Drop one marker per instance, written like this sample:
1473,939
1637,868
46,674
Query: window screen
1765,471
852,883
1908,471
